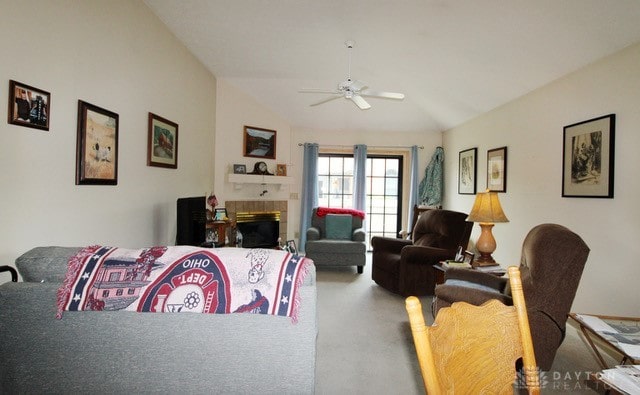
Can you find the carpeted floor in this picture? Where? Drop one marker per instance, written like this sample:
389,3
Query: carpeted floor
365,344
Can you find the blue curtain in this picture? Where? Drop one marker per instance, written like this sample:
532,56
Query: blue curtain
431,186
309,189
413,185
360,177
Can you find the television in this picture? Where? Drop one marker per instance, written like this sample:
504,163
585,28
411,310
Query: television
191,221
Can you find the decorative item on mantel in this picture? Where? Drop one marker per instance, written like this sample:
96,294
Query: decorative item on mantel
487,211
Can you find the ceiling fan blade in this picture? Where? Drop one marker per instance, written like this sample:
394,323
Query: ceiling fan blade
384,95
360,102
356,85
318,91
325,100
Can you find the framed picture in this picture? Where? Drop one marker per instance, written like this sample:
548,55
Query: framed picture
459,254
259,143
467,163
28,106
281,170
497,169
468,257
239,169
588,158
291,247
220,214
162,143
96,146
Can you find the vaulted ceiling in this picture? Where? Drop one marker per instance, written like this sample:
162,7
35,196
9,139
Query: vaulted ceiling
453,59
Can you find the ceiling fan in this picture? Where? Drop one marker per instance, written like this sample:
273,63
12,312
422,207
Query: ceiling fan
353,90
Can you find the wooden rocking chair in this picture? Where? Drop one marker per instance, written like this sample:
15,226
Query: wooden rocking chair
474,349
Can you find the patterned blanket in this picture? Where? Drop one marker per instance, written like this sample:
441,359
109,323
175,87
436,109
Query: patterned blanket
183,279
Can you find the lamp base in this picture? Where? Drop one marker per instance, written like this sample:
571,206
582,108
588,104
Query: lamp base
484,259
485,245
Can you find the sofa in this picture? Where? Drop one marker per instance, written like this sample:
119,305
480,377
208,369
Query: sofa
336,237
130,352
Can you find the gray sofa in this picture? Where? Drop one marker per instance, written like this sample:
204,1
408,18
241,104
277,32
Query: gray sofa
329,250
128,352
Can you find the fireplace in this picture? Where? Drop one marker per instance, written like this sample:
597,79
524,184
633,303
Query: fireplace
259,229
260,206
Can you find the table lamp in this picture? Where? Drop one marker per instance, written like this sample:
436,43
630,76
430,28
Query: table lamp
487,211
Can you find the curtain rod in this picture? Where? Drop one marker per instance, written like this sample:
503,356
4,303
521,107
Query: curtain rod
369,146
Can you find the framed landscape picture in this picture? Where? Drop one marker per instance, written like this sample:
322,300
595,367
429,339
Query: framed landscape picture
96,146
259,143
467,164
28,106
497,169
162,144
588,158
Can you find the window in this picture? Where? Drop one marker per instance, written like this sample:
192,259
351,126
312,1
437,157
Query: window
114,276
384,186
119,292
335,180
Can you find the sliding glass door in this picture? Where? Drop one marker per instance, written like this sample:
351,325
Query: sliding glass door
384,186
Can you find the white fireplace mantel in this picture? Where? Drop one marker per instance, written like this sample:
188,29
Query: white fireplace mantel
239,180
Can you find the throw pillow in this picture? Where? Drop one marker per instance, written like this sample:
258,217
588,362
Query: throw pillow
338,226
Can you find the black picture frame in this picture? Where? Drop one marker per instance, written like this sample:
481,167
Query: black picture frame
28,106
96,146
220,214
259,142
588,158
291,247
239,169
467,171
497,169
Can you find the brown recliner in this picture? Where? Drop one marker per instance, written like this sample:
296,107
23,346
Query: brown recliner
404,266
551,265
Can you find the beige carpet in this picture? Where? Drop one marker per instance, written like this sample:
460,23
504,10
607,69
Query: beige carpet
365,344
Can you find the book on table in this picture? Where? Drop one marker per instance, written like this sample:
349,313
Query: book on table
450,263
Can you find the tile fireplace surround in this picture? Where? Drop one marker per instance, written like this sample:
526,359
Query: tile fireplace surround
260,206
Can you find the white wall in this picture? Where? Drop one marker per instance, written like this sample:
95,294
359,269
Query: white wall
532,129
119,56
